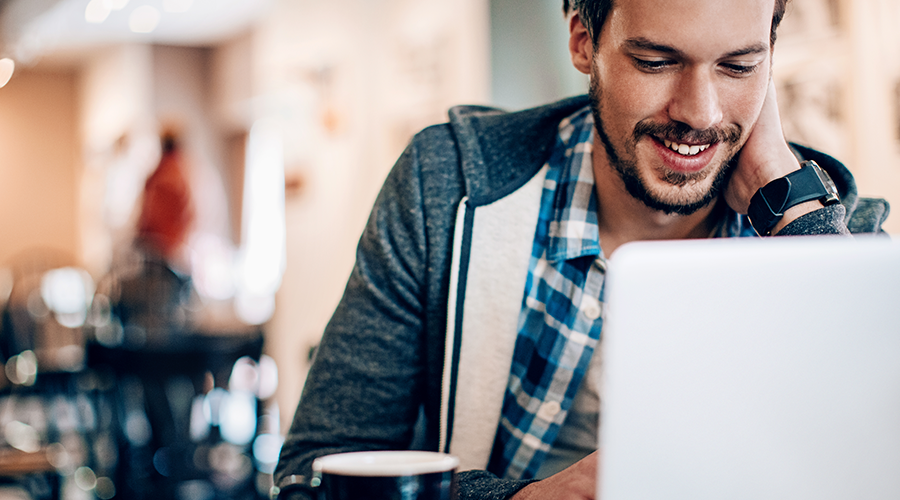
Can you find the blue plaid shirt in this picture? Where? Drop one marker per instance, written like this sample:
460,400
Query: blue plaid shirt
561,318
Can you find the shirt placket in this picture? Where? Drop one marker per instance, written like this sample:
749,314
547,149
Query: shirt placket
584,336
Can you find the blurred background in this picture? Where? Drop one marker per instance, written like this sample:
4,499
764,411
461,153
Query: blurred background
182,184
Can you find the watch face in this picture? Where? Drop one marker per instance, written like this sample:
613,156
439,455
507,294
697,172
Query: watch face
832,196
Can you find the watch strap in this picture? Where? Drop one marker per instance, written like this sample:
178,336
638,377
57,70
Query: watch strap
768,205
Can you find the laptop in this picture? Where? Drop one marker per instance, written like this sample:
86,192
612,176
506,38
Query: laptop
749,369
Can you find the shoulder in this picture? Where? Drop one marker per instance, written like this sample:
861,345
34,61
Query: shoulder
863,214
499,150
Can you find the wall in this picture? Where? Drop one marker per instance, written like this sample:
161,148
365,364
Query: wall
118,136
232,94
530,62
39,165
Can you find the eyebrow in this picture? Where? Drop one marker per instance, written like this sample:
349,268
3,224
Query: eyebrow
642,43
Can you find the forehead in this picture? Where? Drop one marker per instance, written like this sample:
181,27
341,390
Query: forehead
691,25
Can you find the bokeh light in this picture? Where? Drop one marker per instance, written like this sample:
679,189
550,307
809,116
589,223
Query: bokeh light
7,67
144,19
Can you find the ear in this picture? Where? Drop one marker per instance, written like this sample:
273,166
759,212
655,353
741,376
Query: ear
581,47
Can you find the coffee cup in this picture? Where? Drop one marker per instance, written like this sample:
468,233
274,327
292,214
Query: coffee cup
388,475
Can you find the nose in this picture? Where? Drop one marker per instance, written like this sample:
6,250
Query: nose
695,101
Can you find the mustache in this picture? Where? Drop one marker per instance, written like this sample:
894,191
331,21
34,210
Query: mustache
683,133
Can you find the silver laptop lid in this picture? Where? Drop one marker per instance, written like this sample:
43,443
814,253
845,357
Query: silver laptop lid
752,370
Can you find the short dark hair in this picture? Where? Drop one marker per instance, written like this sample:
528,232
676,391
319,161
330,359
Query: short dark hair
593,14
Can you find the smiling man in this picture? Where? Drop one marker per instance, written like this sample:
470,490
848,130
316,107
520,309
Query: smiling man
677,91
471,323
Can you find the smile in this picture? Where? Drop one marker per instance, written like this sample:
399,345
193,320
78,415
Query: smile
685,149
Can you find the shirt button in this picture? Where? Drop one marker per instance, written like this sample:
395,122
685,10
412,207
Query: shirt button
548,411
532,441
590,307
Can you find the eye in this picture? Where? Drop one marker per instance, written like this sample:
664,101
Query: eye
740,69
652,65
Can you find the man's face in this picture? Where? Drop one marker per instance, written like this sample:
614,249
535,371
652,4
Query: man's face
676,87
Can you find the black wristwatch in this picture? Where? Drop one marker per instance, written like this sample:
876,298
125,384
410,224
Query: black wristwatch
768,205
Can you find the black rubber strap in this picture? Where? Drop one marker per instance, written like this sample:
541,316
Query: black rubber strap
768,205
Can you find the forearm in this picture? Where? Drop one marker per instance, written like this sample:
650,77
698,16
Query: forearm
823,221
473,485
482,485
367,383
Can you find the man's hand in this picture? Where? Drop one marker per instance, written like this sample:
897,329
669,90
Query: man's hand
764,158
578,482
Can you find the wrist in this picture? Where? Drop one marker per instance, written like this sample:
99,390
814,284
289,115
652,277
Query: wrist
786,198
795,212
780,164
756,170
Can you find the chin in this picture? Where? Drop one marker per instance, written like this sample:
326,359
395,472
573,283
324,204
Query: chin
683,197
688,201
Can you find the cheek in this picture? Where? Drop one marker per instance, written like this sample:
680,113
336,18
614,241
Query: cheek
629,96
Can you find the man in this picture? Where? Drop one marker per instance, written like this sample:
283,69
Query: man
472,317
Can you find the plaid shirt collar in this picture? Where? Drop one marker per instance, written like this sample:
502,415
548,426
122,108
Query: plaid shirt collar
573,230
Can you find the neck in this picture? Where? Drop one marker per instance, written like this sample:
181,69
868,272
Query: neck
621,218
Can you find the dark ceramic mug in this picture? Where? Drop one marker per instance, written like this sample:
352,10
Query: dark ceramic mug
386,475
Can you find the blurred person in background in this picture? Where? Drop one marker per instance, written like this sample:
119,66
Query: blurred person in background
151,297
471,321
166,211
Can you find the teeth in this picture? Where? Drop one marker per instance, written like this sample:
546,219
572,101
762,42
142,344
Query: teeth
685,149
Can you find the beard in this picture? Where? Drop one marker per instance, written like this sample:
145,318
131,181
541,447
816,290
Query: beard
625,164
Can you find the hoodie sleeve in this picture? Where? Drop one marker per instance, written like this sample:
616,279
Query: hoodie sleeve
373,369
828,220
366,384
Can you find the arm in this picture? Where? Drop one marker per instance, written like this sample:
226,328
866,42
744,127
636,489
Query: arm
366,384
765,157
378,362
